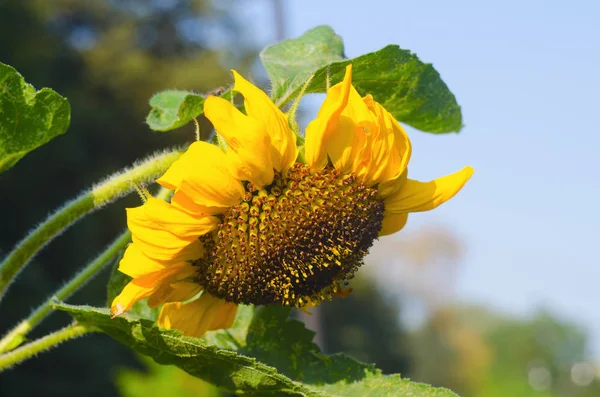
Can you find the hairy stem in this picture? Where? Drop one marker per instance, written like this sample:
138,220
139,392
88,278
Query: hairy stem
17,335
47,342
102,193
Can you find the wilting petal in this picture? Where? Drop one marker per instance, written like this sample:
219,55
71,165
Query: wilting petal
392,223
202,174
347,145
397,147
196,317
259,106
162,230
417,196
321,128
249,143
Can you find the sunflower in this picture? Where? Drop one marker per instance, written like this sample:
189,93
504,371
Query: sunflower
264,222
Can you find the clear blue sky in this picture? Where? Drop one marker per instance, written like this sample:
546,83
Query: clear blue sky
527,75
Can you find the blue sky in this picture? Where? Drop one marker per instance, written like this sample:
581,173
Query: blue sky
526,74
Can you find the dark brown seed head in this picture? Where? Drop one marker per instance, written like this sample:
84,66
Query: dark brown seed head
294,242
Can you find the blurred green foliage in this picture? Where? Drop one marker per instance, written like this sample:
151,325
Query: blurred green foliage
471,350
162,380
107,58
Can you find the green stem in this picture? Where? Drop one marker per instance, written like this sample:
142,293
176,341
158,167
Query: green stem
106,191
31,349
17,335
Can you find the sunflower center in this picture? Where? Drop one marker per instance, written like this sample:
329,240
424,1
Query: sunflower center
294,242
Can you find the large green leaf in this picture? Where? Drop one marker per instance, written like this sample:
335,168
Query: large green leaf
286,344
412,91
28,119
275,342
291,62
231,371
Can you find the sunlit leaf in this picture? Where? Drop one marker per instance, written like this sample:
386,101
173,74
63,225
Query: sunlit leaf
292,61
28,118
410,89
172,109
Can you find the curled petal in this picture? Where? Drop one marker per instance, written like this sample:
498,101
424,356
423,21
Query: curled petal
347,147
259,106
416,196
396,150
202,174
249,143
325,124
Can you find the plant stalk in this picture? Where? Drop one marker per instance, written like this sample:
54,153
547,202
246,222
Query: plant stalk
47,342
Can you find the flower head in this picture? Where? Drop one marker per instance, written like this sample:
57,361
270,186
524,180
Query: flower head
253,225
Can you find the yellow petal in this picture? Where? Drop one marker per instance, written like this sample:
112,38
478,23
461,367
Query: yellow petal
321,128
135,263
416,196
130,294
259,106
392,186
391,157
347,145
225,317
148,284
202,174
175,292
249,143
392,223
196,317
162,230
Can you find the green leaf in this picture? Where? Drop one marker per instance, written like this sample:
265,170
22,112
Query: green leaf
173,108
287,345
412,91
116,282
274,340
28,119
292,61
234,372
